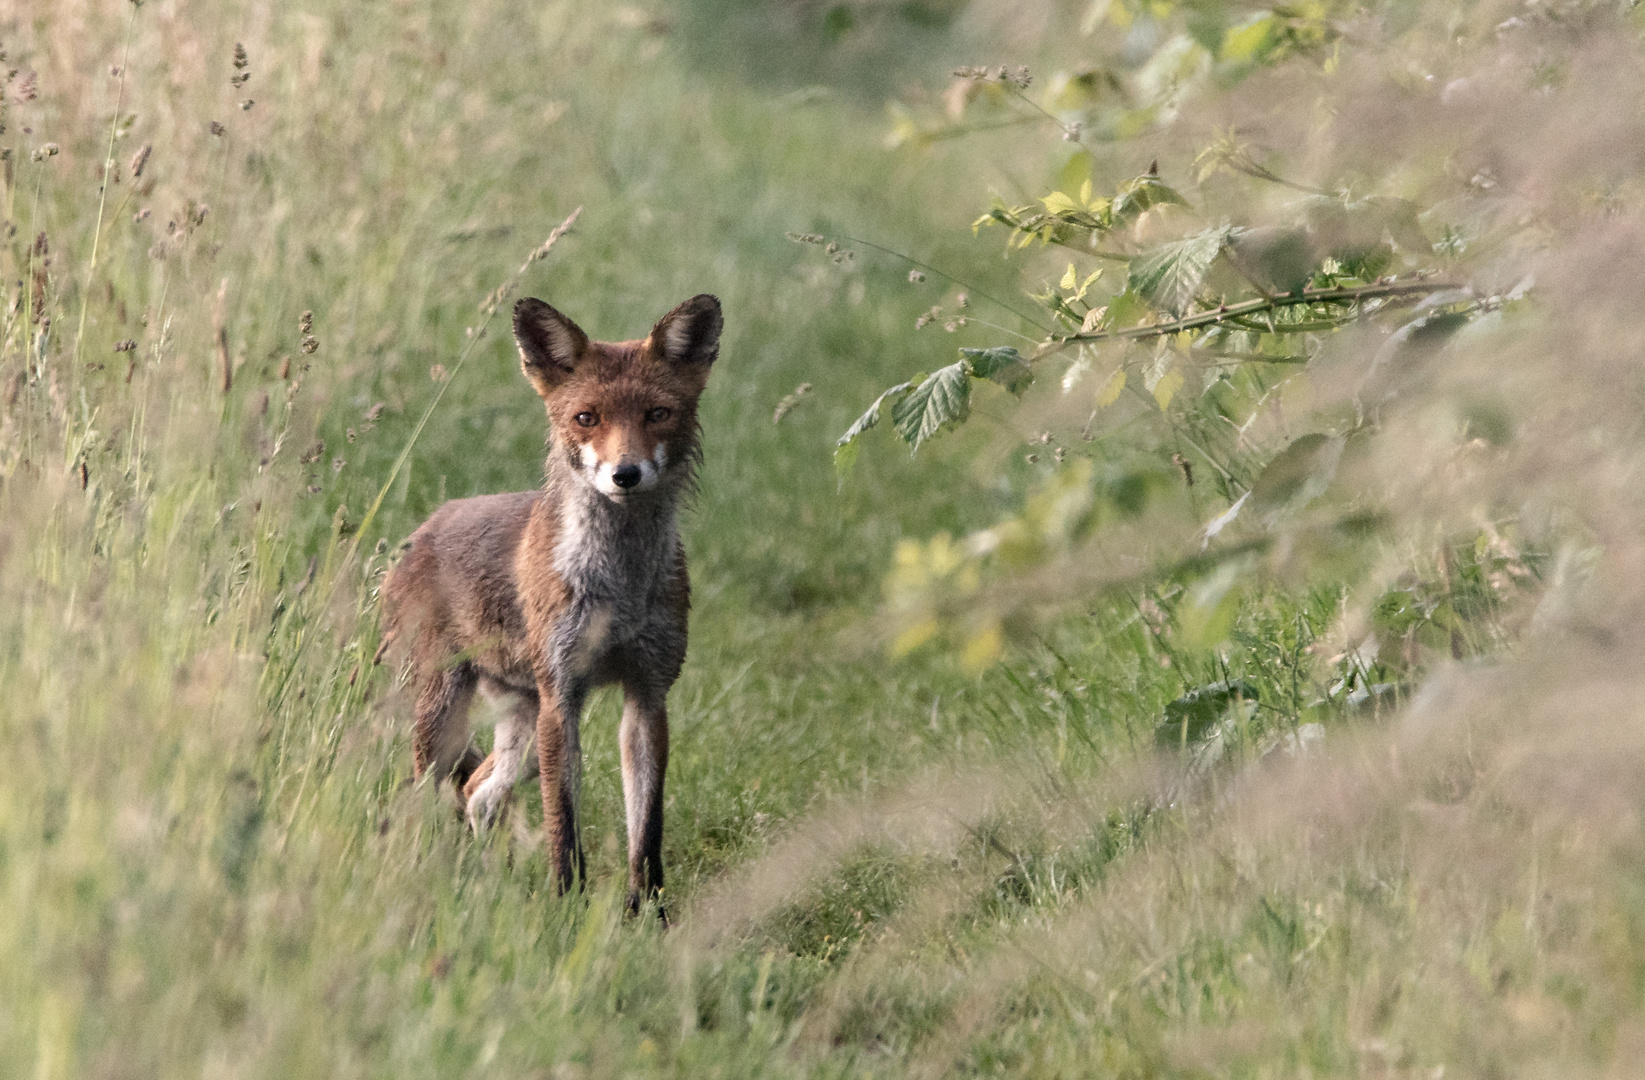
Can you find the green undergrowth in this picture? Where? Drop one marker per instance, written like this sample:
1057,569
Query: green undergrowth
881,862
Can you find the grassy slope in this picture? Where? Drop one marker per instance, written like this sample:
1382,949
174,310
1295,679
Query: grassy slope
210,863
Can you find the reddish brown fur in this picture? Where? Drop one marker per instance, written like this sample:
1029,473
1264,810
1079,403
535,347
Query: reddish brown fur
545,594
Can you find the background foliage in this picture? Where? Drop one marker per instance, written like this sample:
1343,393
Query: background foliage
1241,679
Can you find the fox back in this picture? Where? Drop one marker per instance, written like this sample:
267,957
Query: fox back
540,596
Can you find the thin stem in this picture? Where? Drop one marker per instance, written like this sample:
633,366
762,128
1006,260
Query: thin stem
1252,169
1111,256
967,286
960,131
1001,329
103,195
1037,107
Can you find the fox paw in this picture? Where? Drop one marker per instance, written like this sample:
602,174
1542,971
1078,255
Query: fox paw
484,806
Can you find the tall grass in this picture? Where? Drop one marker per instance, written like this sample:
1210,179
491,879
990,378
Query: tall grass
212,860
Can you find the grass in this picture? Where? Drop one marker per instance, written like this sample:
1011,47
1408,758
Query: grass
210,857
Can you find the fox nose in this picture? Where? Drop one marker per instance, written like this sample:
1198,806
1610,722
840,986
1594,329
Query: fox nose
625,476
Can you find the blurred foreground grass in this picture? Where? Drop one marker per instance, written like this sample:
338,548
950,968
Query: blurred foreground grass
210,862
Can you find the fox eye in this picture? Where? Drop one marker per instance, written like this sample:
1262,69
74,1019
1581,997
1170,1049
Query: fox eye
587,419
658,415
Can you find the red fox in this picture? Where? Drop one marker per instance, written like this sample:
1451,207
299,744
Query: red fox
540,596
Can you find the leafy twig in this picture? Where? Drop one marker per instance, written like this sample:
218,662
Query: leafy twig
1235,312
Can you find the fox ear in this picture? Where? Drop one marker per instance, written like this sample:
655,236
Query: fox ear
551,345
690,334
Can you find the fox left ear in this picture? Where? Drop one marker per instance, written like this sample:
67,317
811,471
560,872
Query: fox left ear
690,334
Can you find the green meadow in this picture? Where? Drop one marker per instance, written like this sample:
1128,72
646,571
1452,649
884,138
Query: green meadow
238,368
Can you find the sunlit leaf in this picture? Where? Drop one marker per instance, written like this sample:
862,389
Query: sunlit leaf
1246,43
983,647
1167,387
1058,203
944,398
1111,389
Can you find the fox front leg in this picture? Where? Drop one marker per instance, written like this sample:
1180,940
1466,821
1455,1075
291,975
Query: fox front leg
559,760
644,740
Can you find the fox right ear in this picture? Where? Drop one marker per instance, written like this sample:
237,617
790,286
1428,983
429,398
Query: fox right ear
551,345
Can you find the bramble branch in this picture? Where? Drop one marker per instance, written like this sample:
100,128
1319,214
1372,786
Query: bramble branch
1236,312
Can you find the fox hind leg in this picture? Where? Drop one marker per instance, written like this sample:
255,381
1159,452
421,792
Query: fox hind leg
439,742
489,789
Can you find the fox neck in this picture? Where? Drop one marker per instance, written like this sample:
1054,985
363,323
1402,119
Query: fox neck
614,552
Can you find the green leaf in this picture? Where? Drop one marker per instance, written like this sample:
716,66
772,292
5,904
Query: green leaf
1143,193
1125,310
1170,276
1077,171
1167,387
1249,41
1058,203
1297,476
845,450
944,398
1111,389
1002,365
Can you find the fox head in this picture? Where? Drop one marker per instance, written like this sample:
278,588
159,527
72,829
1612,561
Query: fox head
623,414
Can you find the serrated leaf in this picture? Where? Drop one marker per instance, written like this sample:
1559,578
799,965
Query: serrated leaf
845,450
1001,365
1170,276
1058,203
944,398
1111,389
1139,195
1070,278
